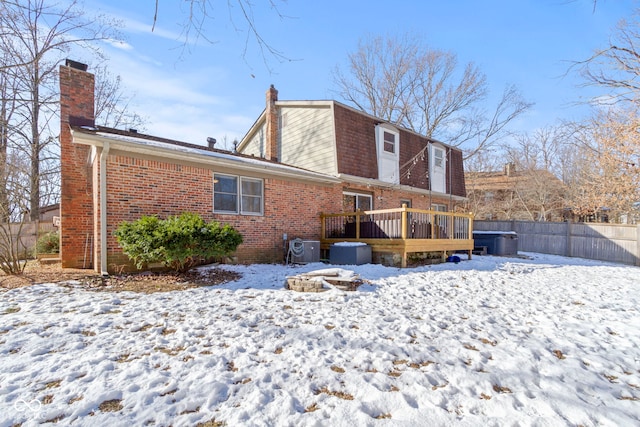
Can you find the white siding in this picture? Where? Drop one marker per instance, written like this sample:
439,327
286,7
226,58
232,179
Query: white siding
257,145
307,138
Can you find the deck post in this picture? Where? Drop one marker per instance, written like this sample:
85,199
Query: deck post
323,226
404,225
358,225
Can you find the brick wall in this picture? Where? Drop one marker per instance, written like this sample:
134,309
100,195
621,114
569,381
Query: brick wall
139,187
76,203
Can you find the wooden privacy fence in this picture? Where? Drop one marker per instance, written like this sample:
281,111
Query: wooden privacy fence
27,233
604,242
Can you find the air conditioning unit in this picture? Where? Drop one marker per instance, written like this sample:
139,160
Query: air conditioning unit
310,253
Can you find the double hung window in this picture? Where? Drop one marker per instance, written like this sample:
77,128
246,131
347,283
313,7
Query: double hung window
237,194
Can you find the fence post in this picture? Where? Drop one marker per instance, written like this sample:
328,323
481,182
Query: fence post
638,245
569,242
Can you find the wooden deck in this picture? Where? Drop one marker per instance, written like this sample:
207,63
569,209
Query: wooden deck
400,231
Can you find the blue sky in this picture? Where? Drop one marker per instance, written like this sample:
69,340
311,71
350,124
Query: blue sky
216,90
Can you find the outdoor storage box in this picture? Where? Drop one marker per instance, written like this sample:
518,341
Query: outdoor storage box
497,242
352,254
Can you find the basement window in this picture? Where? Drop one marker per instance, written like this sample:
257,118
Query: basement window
237,194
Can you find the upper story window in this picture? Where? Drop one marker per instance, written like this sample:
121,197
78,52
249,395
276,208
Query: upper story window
388,149
438,157
237,194
389,142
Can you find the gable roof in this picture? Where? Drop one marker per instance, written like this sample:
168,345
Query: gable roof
128,143
325,103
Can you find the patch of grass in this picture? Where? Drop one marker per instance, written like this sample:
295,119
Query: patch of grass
485,396
88,333
400,362
631,398
278,350
231,367
338,394
108,312
470,347
437,386
167,393
394,388
395,373
329,327
11,310
501,389
486,341
169,351
611,378
75,399
190,411
212,423
311,408
113,405
53,420
243,381
47,399
53,384
382,416
205,352
337,369
287,307
559,355
168,331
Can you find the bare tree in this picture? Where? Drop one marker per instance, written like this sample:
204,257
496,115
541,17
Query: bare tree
241,14
36,37
409,84
617,66
112,103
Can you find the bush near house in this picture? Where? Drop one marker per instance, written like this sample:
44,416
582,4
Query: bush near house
48,243
178,242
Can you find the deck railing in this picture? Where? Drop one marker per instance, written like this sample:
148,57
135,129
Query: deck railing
399,223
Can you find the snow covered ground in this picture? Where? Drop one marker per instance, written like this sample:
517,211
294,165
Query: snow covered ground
544,341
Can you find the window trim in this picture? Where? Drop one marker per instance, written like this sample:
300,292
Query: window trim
353,193
239,195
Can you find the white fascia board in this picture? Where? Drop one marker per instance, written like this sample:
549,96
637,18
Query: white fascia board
205,158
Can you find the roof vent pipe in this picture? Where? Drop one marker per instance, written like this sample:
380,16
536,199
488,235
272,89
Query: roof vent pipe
211,142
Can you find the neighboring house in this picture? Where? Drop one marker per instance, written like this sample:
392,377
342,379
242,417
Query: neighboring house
529,195
308,158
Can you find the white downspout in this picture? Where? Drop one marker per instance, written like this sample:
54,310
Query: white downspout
103,208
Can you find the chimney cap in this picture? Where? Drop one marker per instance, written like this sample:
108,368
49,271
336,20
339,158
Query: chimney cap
76,65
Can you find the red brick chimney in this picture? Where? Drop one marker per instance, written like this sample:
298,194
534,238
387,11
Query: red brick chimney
76,198
271,152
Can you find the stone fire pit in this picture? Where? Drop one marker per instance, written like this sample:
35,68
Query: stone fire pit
323,280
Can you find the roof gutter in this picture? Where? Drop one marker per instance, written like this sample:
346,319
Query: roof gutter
103,208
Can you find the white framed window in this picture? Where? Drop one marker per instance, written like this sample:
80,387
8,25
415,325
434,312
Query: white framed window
237,194
438,208
389,141
388,153
352,202
438,157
